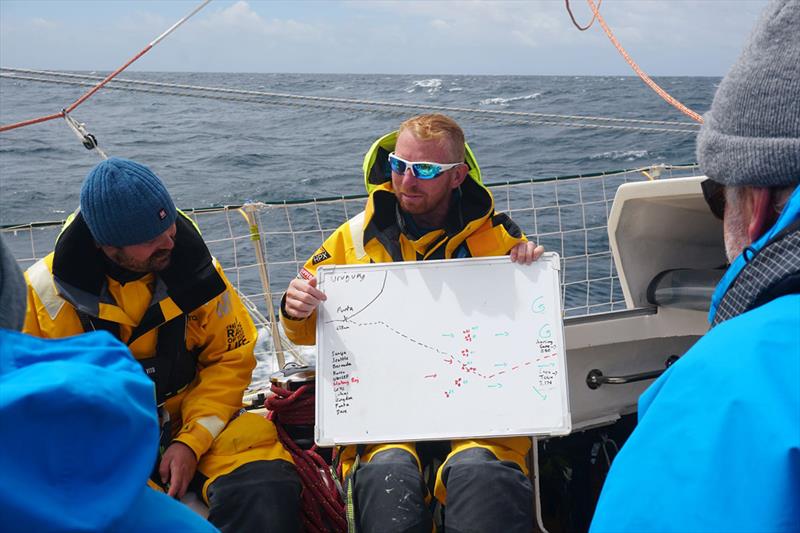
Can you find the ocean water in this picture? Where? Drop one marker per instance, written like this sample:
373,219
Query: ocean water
215,152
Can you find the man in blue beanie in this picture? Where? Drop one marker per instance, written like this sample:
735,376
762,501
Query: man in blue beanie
717,447
129,263
59,443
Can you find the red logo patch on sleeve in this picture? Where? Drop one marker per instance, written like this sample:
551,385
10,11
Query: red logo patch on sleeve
305,274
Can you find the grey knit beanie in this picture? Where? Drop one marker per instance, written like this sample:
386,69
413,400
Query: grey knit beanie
124,203
751,135
12,291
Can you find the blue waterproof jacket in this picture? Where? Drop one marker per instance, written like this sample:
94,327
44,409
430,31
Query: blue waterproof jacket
79,438
717,447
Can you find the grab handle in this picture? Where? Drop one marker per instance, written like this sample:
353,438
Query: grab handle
595,377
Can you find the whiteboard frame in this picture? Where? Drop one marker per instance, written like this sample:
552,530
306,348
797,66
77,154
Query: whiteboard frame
326,439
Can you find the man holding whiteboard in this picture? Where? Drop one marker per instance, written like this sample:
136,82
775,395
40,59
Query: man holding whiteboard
426,201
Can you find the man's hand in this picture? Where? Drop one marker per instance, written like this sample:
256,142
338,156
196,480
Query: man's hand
526,253
177,468
303,297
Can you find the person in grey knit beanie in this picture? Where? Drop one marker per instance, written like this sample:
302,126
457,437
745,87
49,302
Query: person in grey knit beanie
716,441
12,290
749,143
751,135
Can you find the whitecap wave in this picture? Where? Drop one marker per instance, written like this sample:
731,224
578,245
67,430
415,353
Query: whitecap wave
431,86
627,155
506,101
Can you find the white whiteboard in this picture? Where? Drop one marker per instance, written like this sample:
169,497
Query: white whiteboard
440,350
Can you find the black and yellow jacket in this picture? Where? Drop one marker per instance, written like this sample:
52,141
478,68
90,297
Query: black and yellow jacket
185,325
379,233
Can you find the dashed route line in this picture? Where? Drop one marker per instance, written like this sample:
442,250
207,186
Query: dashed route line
400,333
450,358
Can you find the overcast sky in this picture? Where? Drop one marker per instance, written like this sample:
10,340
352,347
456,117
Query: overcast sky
666,37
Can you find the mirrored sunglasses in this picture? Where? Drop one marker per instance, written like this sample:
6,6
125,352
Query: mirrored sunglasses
423,170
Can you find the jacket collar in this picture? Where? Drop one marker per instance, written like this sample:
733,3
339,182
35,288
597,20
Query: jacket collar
470,206
789,217
79,270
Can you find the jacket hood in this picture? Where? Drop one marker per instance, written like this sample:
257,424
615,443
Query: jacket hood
79,429
472,202
376,162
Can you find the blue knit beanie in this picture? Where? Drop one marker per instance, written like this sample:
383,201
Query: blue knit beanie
751,135
124,203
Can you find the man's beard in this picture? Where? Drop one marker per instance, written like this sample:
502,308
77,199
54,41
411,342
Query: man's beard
157,262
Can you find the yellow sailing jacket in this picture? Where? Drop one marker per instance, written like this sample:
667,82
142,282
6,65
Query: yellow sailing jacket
379,234
69,292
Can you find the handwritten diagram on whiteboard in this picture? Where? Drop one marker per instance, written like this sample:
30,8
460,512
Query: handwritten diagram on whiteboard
440,350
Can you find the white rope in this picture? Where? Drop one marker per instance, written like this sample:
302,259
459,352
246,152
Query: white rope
181,21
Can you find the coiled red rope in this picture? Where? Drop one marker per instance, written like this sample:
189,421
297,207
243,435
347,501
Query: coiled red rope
323,508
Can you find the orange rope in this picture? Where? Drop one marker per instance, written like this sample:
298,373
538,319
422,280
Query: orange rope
645,78
108,78
80,100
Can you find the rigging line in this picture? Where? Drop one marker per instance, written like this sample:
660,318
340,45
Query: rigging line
336,106
89,141
575,22
224,90
645,78
108,78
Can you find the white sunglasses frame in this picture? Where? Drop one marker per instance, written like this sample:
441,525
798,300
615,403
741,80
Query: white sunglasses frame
410,165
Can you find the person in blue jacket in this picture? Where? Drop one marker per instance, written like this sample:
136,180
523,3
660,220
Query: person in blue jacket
78,420
717,447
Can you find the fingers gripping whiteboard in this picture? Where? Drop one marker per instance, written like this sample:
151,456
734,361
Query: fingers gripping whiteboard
440,350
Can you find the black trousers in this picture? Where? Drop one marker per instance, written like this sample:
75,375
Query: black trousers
484,494
258,497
